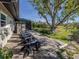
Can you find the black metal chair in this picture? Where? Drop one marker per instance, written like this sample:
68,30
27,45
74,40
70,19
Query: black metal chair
29,47
30,43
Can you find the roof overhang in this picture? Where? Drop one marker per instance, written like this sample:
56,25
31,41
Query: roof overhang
13,7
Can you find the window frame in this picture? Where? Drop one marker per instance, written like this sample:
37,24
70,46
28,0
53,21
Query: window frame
1,12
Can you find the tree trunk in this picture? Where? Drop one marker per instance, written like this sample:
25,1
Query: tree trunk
52,14
52,29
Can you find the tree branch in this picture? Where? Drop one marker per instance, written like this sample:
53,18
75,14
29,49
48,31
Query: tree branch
59,4
47,20
55,8
64,19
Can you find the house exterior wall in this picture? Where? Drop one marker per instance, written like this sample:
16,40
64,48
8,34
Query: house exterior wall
7,30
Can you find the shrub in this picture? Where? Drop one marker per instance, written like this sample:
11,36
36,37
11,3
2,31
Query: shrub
75,36
5,53
44,31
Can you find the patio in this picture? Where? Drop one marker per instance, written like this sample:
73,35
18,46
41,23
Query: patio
46,52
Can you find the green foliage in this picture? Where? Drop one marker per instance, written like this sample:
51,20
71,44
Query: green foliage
41,28
75,36
52,8
39,25
61,34
71,4
5,53
43,31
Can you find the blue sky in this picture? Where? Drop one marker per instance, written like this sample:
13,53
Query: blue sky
27,11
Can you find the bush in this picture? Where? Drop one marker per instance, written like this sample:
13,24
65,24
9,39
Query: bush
75,36
5,53
43,31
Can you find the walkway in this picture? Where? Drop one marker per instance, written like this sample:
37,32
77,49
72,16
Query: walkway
13,44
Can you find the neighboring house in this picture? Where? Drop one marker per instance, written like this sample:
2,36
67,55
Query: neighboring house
9,13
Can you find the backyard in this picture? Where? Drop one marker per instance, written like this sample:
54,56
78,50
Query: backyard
62,33
39,29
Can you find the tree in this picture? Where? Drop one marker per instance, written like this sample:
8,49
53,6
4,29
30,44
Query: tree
58,10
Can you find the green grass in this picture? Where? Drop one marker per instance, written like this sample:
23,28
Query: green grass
62,40
60,37
60,34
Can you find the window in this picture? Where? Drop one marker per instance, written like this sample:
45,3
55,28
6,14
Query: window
3,17
3,20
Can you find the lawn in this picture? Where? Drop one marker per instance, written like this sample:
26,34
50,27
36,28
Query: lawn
61,33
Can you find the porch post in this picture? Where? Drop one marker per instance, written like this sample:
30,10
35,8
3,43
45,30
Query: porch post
15,30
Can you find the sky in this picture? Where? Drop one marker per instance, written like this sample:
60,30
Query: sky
27,11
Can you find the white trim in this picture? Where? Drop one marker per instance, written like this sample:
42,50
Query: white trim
3,13
8,27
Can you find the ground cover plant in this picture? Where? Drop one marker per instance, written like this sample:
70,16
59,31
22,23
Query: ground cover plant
5,53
